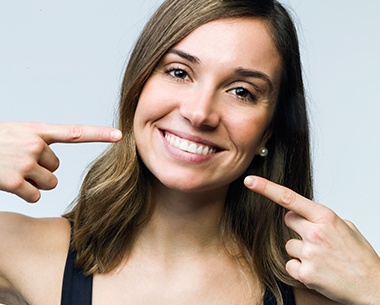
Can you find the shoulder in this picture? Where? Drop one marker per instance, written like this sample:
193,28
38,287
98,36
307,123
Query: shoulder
19,232
310,297
32,253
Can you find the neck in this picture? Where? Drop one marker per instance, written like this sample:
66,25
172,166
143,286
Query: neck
184,224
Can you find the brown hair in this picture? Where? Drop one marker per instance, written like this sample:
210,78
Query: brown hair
116,197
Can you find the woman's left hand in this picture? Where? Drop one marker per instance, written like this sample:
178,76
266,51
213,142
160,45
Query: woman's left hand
332,256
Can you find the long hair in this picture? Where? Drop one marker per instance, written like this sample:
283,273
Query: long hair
116,196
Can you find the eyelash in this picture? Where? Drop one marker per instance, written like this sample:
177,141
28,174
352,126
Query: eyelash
170,71
250,98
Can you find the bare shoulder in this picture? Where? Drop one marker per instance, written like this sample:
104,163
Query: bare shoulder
32,234
32,255
309,297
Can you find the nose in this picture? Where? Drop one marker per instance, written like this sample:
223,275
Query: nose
200,108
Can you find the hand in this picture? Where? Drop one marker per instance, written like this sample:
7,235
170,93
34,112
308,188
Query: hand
332,256
26,161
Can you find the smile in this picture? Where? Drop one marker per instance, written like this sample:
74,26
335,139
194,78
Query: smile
188,146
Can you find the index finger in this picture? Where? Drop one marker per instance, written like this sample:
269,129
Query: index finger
76,133
285,197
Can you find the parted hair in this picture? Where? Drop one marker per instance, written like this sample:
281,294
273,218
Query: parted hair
116,196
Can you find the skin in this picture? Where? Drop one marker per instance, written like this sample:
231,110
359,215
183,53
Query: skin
332,256
198,103
202,105
178,255
31,169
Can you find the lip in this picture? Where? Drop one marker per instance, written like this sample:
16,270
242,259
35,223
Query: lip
192,138
187,156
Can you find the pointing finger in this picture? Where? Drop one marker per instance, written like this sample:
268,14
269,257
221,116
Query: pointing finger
75,133
285,197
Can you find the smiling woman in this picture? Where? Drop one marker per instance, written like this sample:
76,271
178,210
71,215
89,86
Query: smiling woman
202,107
171,213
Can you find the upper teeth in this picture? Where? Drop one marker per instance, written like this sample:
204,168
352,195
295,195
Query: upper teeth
189,146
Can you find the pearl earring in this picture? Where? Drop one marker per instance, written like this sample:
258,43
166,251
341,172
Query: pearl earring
263,152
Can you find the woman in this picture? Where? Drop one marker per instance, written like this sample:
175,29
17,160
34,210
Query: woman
171,213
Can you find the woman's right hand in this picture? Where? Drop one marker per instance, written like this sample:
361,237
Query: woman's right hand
27,163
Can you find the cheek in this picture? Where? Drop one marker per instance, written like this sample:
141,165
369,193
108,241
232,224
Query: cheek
145,102
143,113
248,133
153,102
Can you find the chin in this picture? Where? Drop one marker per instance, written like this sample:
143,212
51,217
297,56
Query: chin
189,184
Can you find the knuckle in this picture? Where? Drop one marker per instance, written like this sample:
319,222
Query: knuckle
351,225
330,215
32,126
74,132
287,197
329,218
26,166
15,183
101,134
36,146
315,235
308,253
302,272
306,275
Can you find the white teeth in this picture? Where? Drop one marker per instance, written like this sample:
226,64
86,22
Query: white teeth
184,146
192,148
189,146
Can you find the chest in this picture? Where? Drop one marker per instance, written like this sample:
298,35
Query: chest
184,287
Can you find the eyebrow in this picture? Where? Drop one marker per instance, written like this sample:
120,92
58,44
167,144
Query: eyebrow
186,56
241,72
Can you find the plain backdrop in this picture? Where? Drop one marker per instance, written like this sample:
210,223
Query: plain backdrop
62,62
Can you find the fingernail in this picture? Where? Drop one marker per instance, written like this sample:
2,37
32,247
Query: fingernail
249,181
116,134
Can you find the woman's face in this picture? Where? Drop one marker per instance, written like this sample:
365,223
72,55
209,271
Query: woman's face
204,112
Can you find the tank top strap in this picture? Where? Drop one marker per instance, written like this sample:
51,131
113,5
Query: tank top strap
76,286
286,292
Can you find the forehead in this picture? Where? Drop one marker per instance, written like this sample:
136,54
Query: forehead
232,43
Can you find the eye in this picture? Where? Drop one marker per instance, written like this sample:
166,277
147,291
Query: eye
244,94
177,73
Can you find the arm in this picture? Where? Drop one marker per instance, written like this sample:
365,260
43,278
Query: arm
26,161
33,252
332,256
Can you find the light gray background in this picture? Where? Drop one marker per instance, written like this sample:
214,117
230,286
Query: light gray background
62,62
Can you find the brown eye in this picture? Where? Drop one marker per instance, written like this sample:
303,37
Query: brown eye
244,94
178,74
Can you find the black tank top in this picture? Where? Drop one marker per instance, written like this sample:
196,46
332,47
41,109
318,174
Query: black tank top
77,288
